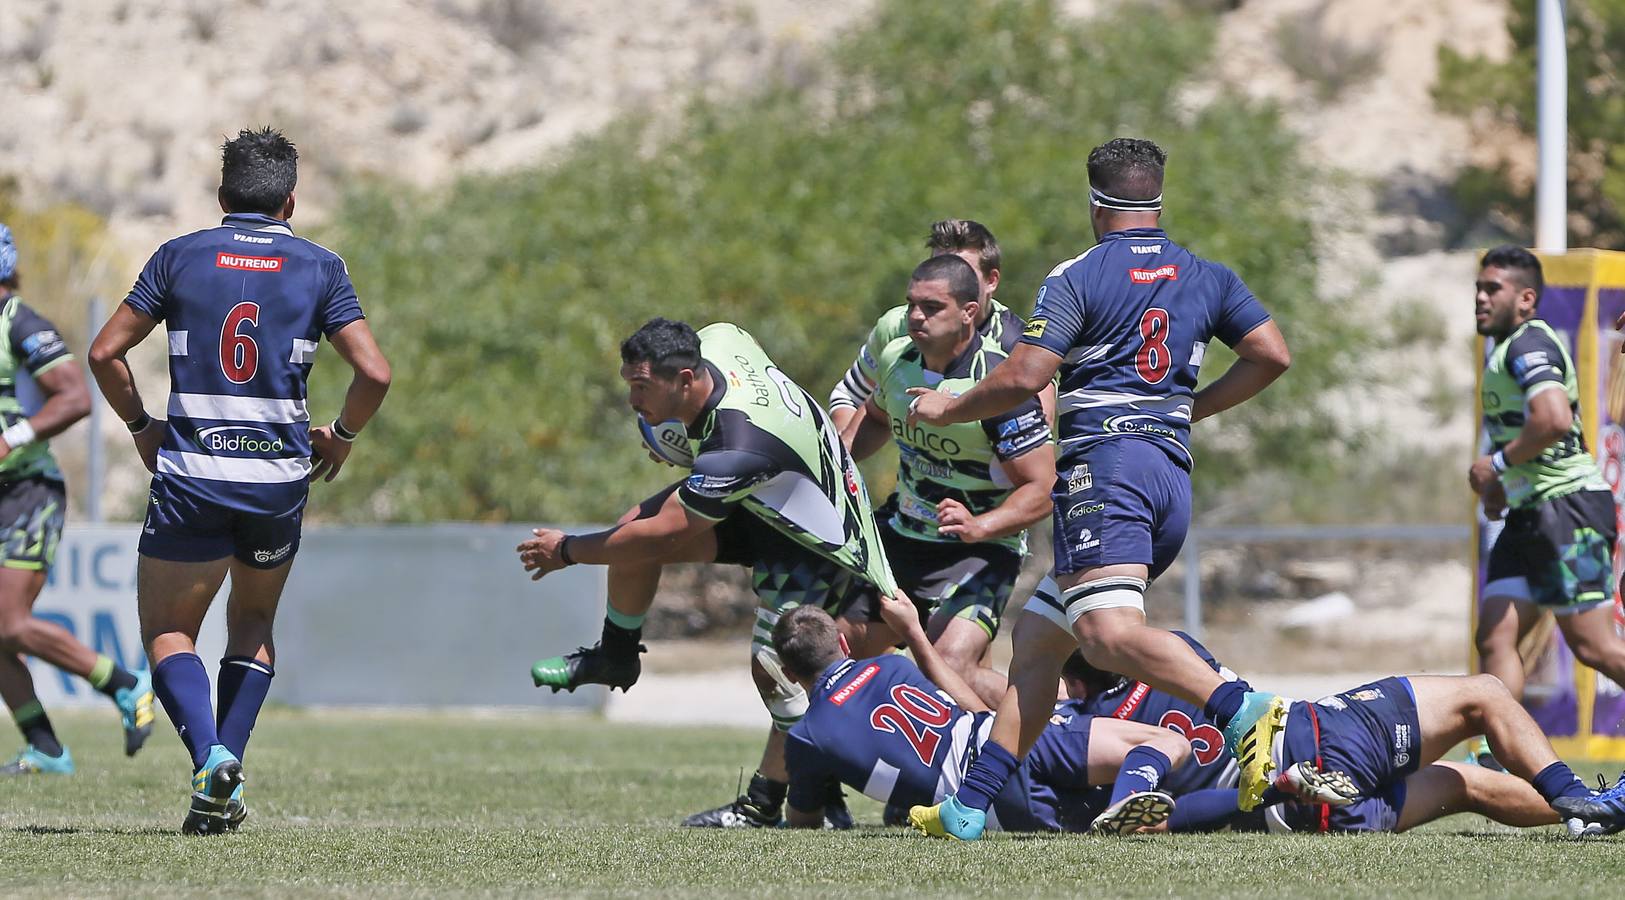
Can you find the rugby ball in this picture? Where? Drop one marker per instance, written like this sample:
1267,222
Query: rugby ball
668,441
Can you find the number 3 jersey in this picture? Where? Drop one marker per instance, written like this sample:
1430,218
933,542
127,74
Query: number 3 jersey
245,304
1131,319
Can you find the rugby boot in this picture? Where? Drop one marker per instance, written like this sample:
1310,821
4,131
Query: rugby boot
588,665
212,787
236,809
836,814
1605,808
1141,809
1479,754
135,711
1307,782
1251,737
760,806
30,761
949,819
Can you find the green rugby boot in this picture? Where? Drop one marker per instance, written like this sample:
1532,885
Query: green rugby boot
589,665
30,761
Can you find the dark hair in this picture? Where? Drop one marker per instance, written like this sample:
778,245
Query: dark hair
954,235
668,347
1519,260
961,278
258,170
1080,669
806,641
1129,168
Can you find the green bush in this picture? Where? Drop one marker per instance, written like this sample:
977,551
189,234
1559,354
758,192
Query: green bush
798,213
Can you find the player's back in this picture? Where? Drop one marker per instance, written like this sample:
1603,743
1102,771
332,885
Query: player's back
245,304
1132,318
881,727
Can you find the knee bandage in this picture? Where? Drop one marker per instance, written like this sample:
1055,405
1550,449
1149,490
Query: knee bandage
1115,592
787,702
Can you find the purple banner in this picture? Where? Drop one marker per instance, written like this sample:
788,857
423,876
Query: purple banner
1608,715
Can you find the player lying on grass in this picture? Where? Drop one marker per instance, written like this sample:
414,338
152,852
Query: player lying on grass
772,487
1387,737
903,736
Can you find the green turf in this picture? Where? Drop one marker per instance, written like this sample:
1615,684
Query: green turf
437,804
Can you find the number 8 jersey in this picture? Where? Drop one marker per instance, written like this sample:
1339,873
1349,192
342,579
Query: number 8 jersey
245,304
1131,319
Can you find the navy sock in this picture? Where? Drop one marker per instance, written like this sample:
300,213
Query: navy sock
1558,780
1207,810
1226,701
182,685
986,777
244,682
1143,769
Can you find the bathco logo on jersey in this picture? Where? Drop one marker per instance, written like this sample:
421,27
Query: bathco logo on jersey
248,263
1160,273
238,439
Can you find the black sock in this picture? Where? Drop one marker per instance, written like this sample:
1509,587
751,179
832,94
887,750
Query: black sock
119,680
37,731
766,794
620,641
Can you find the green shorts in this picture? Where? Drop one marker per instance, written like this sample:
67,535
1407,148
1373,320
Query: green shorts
1557,554
31,514
952,578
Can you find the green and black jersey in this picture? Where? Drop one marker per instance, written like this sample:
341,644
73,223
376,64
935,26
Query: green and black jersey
959,462
31,344
1532,359
1003,327
763,444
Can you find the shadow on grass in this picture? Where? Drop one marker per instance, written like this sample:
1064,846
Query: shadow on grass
44,830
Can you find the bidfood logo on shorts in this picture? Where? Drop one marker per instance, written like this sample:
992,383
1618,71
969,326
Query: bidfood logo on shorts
239,439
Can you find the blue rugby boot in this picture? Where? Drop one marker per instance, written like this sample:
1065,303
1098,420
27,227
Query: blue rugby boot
30,761
236,809
1250,735
135,711
949,819
1605,808
212,787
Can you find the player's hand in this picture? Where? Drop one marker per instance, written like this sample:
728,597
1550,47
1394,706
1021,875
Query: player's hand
659,460
541,554
1495,502
898,611
929,406
954,520
1482,475
147,442
328,451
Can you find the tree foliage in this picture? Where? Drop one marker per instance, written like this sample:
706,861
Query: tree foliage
798,212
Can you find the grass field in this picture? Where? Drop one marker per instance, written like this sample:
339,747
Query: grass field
432,805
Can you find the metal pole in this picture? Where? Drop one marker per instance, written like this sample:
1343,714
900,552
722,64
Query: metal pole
1551,186
1193,586
96,459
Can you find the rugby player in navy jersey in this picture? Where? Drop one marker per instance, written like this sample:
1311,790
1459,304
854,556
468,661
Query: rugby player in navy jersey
244,304
1382,740
902,735
1126,323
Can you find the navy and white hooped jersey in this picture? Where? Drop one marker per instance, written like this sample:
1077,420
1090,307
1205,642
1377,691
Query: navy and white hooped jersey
244,304
1211,764
881,727
1131,319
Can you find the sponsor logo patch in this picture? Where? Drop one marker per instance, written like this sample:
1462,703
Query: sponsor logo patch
251,239
266,556
248,263
238,439
845,692
1149,276
1144,249
1078,512
1035,328
1079,479
1366,695
1402,744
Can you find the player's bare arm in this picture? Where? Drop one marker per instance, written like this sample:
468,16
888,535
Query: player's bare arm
899,612
1033,474
866,431
1263,357
1026,372
123,331
331,443
67,400
639,540
1549,419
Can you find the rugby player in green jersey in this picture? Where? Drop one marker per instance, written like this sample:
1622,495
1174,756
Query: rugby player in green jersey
1556,551
772,487
966,493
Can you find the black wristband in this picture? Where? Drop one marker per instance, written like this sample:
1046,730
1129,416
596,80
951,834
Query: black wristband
564,551
342,433
139,425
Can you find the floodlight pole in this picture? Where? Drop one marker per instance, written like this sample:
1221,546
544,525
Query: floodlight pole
1551,186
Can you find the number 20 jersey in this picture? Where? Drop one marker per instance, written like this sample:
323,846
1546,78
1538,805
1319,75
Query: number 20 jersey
244,304
1131,319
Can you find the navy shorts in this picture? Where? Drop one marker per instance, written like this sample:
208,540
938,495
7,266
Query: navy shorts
1379,812
1123,500
1371,733
1051,790
181,527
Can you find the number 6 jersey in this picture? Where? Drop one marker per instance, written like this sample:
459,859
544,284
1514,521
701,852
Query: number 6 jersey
245,304
1131,319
